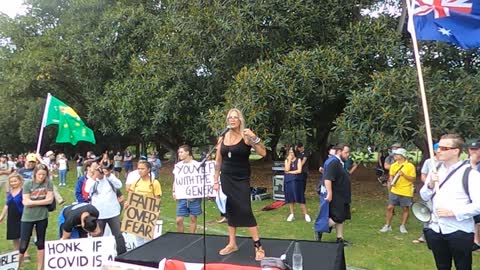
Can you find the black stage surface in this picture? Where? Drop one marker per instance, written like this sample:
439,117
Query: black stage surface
189,248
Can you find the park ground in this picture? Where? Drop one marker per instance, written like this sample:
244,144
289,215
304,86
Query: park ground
371,249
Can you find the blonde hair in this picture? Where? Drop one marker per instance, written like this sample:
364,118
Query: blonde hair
240,118
15,175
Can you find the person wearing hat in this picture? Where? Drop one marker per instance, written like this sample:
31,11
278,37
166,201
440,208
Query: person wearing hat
474,158
402,176
390,159
27,171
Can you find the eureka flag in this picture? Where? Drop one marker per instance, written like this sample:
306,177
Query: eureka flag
71,128
454,21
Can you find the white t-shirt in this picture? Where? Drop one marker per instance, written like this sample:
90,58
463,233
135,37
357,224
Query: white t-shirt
62,164
132,177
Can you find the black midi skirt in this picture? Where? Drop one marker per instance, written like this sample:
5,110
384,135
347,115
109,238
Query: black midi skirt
239,207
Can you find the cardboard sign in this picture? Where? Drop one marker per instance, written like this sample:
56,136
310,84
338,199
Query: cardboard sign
131,241
141,215
189,180
82,253
9,261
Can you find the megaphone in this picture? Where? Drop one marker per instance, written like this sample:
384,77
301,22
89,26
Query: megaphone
422,211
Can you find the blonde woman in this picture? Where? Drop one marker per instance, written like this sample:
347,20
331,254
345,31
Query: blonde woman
232,163
13,210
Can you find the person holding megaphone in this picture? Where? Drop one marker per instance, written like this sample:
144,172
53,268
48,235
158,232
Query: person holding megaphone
400,186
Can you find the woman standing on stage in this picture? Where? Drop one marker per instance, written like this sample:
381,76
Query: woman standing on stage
232,162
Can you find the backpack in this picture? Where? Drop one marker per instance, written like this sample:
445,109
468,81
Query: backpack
465,181
95,188
116,191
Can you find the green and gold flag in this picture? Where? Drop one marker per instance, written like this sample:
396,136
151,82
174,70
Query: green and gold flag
71,128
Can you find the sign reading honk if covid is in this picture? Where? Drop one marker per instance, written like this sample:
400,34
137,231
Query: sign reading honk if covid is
83,253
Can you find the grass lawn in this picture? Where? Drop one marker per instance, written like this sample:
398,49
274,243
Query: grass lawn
370,250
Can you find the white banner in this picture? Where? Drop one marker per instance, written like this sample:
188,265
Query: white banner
83,253
189,180
9,261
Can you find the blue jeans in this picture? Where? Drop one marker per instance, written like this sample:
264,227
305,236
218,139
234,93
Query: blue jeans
62,176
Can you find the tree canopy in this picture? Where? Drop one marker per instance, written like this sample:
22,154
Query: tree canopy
166,72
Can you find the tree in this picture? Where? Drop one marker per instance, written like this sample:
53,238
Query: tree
389,109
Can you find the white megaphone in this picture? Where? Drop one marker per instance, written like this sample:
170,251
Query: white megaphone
422,212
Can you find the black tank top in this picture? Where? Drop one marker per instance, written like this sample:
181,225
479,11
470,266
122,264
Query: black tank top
235,158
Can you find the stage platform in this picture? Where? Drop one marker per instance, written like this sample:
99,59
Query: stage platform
189,248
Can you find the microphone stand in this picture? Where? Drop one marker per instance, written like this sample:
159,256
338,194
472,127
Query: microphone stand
203,165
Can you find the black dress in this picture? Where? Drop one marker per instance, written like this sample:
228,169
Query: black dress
14,215
235,179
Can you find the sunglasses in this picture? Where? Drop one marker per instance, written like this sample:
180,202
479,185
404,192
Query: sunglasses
446,148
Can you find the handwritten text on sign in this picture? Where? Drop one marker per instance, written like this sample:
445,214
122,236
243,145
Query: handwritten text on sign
9,261
141,215
189,178
83,253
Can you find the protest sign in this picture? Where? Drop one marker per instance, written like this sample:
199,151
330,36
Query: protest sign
82,253
189,180
131,241
141,215
9,261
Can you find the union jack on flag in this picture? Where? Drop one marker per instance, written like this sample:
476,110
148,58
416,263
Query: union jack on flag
454,21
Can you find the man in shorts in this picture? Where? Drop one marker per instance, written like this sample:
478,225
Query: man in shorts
339,191
186,207
402,176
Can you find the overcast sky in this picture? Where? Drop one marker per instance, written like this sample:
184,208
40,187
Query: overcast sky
12,7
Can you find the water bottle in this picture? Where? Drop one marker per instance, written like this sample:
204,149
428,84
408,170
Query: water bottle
297,259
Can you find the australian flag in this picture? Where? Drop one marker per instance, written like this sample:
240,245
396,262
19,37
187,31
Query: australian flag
454,21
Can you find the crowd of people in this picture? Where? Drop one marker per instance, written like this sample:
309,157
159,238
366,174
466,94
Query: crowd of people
451,234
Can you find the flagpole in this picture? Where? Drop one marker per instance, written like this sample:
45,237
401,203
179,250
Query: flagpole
426,115
44,120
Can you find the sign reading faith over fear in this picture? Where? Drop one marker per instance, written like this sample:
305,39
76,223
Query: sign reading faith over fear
9,261
82,253
189,180
141,215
